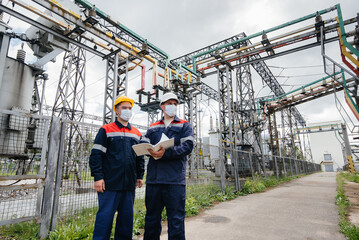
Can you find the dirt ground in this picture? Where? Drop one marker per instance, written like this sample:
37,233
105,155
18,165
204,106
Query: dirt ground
352,192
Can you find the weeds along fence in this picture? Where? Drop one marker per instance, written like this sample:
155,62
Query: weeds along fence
231,164
45,176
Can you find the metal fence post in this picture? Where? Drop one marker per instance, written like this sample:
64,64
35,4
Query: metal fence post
276,167
291,166
251,163
58,180
264,166
236,177
306,167
258,164
284,167
42,165
222,169
49,180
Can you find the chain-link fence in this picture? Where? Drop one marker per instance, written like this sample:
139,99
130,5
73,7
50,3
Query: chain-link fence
45,175
76,188
23,146
232,164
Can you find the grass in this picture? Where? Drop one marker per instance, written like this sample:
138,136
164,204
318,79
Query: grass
85,176
259,183
80,226
352,177
198,197
349,230
21,231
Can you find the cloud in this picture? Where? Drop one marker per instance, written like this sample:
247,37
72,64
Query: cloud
180,27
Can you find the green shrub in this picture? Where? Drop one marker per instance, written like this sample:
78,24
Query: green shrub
80,226
192,206
352,177
22,231
349,230
253,186
271,181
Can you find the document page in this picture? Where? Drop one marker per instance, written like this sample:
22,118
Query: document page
141,149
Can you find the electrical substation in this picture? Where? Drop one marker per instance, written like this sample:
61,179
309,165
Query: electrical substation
45,148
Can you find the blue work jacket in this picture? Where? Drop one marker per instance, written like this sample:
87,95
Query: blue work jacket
171,168
113,159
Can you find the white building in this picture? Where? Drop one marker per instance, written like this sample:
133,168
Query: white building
326,143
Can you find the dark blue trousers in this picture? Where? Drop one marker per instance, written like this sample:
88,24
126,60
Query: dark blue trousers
109,203
173,197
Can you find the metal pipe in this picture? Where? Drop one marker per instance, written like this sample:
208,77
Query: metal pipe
106,17
143,73
342,30
261,32
258,44
334,62
78,22
307,85
126,77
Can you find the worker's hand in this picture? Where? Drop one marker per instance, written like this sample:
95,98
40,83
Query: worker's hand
157,154
139,183
99,186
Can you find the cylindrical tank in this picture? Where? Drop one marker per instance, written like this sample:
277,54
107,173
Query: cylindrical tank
15,94
17,85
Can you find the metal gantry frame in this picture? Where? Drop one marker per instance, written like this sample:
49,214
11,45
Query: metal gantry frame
120,47
235,53
226,119
70,98
190,110
257,63
115,86
245,105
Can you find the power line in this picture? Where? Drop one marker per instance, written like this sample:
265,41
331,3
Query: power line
312,66
304,75
104,77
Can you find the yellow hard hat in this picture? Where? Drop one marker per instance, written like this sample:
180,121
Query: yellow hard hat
121,99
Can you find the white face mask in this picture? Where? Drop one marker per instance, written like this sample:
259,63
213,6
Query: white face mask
126,114
171,110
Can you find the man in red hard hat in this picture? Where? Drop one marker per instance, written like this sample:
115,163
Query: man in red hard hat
116,171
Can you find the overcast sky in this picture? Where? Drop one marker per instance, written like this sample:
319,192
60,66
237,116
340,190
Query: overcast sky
180,27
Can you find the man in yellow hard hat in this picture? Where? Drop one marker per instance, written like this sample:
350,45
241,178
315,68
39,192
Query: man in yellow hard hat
117,171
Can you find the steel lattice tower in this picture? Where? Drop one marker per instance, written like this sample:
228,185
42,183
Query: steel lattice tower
152,117
226,119
190,111
70,96
115,86
248,132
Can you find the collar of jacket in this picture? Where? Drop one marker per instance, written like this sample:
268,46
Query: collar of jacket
176,119
121,126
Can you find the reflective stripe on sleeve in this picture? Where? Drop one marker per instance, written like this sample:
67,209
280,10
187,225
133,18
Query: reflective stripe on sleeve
99,147
187,138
